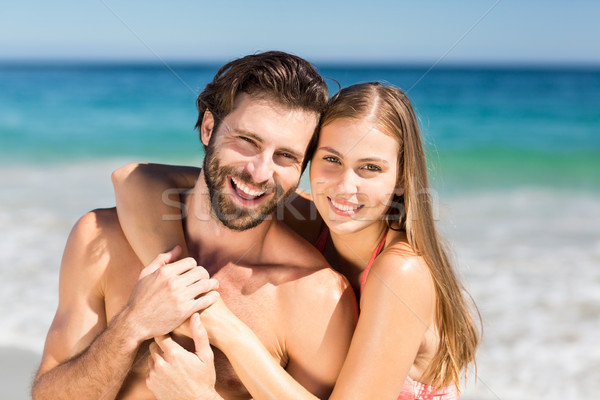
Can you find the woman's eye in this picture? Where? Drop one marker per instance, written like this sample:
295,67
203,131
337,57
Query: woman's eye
372,168
331,159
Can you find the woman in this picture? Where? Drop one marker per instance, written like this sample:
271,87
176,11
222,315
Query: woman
369,184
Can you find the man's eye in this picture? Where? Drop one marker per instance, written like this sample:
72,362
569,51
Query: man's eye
246,139
288,156
287,159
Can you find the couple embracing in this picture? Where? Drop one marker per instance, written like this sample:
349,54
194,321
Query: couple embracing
262,291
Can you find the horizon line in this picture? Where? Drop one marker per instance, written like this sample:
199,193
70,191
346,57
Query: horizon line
326,63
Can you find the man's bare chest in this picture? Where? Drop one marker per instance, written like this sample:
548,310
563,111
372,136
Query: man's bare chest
248,295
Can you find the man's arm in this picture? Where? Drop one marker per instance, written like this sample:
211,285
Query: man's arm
71,367
86,358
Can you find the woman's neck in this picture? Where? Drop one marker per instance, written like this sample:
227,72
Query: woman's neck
353,251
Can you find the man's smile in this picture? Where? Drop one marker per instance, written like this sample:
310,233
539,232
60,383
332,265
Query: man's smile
246,191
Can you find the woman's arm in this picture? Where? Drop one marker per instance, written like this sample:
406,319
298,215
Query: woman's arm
149,206
398,305
260,373
397,309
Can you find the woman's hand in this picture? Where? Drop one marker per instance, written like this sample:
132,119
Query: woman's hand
177,374
220,324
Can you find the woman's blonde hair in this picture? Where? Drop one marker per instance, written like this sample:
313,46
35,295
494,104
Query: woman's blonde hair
392,113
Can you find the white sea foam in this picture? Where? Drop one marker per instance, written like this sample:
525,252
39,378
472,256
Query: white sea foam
529,257
38,207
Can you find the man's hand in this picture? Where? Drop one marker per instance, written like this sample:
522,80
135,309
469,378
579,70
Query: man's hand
167,294
177,374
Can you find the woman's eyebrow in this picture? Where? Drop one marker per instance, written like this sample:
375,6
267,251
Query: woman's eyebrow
330,150
374,159
366,159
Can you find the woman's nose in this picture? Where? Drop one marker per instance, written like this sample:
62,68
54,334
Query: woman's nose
347,182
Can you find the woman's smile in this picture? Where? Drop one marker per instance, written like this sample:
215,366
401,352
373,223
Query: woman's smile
343,207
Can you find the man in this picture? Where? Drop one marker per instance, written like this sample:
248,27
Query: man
256,119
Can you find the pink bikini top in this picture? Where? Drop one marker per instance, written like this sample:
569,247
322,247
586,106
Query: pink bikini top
411,390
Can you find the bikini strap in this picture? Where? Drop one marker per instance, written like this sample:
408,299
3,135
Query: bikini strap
376,252
321,241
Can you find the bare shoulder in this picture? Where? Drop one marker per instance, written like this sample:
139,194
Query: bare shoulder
86,258
306,271
399,261
95,240
97,230
399,269
308,275
90,234
96,223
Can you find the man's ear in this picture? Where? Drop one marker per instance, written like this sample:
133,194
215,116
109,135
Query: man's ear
206,129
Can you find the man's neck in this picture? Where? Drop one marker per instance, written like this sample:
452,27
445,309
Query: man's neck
210,242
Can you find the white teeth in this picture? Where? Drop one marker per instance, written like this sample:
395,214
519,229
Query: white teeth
344,207
246,190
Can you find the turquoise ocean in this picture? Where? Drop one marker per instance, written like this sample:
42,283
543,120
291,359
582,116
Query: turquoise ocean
514,155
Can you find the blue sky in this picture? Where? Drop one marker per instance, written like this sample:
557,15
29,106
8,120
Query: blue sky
485,31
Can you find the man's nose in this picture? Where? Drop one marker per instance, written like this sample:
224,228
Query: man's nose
261,168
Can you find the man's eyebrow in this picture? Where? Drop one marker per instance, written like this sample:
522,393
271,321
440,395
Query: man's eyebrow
298,154
366,159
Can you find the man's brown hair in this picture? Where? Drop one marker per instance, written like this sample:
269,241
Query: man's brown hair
277,76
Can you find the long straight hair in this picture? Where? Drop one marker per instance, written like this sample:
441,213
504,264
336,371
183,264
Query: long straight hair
392,113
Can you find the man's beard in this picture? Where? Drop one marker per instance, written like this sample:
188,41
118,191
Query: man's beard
232,216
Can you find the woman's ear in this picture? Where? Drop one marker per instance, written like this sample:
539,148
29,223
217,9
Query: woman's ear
206,129
399,191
